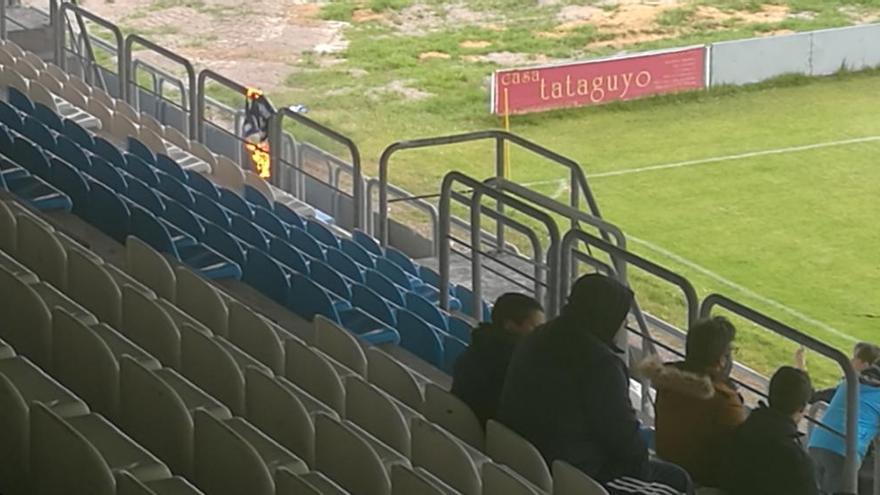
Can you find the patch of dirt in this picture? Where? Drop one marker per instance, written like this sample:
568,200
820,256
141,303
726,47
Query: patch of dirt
420,19
433,55
399,88
367,15
240,41
474,44
767,14
510,59
778,32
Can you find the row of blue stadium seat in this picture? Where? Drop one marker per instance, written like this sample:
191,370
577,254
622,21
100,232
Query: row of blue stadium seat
365,288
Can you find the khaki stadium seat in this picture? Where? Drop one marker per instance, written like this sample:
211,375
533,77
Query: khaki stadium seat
501,480
198,298
504,446
409,481
91,285
40,250
569,480
27,326
448,458
146,322
314,373
340,344
151,268
127,484
393,377
256,336
377,413
452,414
312,483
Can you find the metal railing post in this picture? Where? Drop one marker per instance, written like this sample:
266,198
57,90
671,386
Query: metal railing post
60,41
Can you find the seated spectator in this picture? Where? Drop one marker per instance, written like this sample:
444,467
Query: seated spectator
567,392
826,447
766,457
697,406
479,371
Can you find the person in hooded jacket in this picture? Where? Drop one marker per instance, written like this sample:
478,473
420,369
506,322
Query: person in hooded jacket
479,371
697,407
827,448
567,392
766,456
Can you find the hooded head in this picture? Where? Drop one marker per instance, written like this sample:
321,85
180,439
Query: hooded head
598,304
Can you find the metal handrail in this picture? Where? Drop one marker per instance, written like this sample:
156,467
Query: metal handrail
577,176
420,204
187,65
200,97
60,23
275,132
480,189
851,466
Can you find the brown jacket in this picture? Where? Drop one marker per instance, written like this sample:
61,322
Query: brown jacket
694,418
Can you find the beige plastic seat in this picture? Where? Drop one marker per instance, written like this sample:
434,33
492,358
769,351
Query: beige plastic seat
86,359
198,298
569,480
39,94
375,411
452,414
150,267
504,446
311,483
27,70
340,344
55,298
350,458
314,373
127,484
57,72
177,138
6,350
21,384
393,377
181,318
23,273
8,229
501,480
82,86
91,285
6,59
35,60
100,111
53,85
416,481
150,122
103,97
228,174
256,336
123,278
128,111
27,323
273,404
73,96
151,139
12,79
232,457
202,152
448,458
39,249
83,453
156,408
122,126
252,179
13,49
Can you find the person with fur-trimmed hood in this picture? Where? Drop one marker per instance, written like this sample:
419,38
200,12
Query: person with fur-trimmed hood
697,406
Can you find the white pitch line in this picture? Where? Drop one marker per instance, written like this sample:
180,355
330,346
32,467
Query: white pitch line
744,290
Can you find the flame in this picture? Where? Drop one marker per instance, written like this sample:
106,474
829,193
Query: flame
260,158
253,93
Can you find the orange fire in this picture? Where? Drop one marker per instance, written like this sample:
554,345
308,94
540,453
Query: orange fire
259,153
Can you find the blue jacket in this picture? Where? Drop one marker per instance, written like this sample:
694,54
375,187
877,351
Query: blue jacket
835,416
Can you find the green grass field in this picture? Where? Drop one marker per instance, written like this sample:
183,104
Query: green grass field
789,233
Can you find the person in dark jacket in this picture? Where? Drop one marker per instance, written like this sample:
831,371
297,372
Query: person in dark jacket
766,456
567,392
479,371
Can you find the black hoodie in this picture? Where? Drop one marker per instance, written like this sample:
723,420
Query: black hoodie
567,390
479,371
766,458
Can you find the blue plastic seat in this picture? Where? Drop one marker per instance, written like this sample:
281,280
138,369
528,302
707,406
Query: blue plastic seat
143,195
202,184
328,278
288,255
70,151
402,260
36,191
235,203
27,155
255,197
37,132
396,274
267,276
321,233
368,300
383,286
211,211
420,338
367,242
426,310
289,216
209,263
270,222
219,240
107,211
343,263
109,152
309,299
432,278
460,329
176,190
48,116
8,167
72,183
78,135
170,167
140,150
452,348
368,328
303,241
106,173
183,219
357,252
139,168
247,232
20,101
10,116
466,298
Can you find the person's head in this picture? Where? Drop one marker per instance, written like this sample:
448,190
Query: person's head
864,356
600,303
709,346
517,313
790,391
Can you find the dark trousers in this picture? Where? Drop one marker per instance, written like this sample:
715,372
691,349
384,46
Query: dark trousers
661,478
671,475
